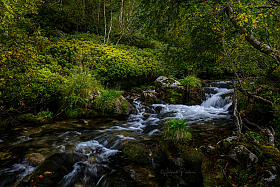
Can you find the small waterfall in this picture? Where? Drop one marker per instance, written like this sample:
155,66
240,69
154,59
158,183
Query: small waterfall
216,100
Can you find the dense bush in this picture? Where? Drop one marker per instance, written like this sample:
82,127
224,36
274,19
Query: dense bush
136,39
76,90
108,62
106,101
191,82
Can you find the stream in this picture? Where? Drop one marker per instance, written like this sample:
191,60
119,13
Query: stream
101,141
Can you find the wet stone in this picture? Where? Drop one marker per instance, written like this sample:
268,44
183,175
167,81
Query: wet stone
34,158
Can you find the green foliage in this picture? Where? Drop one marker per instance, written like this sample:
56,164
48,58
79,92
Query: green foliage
77,89
44,115
51,20
176,130
135,39
124,107
110,63
191,82
254,135
106,101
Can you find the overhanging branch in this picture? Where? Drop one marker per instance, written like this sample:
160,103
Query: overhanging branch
264,48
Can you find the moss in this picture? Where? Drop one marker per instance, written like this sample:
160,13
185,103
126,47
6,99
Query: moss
193,157
271,152
29,117
212,173
124,107
151,88
137,152
173,96
152,100
87,113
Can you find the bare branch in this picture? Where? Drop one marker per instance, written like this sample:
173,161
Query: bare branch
56,3
250,123
270,136
264,6
237,119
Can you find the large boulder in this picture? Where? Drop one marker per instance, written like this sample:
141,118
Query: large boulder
193,158
175,159
170,89
143,152
163,83
122,107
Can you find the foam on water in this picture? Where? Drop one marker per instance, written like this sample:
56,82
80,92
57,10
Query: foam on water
94,147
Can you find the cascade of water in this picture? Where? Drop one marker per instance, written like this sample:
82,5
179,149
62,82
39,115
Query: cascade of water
99,144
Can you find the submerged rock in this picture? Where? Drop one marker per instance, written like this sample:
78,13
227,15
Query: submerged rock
34,159
53,169
143,176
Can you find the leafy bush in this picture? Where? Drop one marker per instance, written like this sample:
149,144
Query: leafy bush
110,63
135,39
44,115
77,89
190,82
106,101
176,130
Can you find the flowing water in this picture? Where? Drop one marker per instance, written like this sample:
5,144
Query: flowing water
100,140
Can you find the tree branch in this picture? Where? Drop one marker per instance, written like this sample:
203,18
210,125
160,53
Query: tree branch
266,49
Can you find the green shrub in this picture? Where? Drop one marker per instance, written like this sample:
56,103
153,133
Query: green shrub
136,39
72,113
76,90
106,101
190,82
176,130
44,115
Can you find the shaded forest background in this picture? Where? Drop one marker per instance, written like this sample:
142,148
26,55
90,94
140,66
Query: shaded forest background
56,54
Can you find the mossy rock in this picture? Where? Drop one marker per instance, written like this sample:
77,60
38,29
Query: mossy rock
171,90
173,96
34,158
193,158
228,144
150,97
212,172
144,152
270,152
137,152
173,155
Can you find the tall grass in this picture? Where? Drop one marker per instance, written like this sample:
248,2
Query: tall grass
76,90
176,130
106,101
